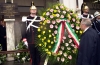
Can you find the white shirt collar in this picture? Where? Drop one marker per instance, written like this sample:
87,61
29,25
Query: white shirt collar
86,29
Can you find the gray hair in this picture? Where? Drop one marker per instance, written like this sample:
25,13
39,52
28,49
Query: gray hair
86,21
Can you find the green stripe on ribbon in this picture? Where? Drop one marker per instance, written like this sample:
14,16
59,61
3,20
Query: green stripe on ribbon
57,39
73,34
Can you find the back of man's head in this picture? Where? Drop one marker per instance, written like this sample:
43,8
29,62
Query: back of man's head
87,22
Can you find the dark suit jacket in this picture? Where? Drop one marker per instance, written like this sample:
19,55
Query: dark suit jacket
2,39
31,34
88,49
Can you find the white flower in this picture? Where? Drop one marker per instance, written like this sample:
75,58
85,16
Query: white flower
70,57
62,47
57,7
62,16
70,41
51,16
73,19
62,59
77,27
53,22
66,44
63,41
69,36
60,52
55,32
68,48
23,58
72,25
64,12
56,26
58,20
18,54
61,6
65,54
58,58
29,59
64,37
51,10
57,15
48,13
72,45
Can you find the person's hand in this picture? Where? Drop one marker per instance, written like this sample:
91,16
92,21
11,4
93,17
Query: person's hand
4,36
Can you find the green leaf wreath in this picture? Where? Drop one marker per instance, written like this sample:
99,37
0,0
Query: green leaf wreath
23,56
2,56
48,30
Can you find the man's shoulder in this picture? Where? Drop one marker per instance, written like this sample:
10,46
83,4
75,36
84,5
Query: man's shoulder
30,17
91,31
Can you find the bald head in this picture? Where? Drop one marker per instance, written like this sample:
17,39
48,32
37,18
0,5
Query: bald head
85,23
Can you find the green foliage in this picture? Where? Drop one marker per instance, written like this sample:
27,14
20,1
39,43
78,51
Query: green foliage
23,56
2,56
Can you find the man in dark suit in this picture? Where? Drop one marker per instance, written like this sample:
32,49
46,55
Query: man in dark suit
3,36
31,36
89,44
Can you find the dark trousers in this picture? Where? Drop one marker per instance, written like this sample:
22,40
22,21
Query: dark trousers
4,46
34,53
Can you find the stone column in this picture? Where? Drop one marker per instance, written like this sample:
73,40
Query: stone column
79,6
71,4
10,37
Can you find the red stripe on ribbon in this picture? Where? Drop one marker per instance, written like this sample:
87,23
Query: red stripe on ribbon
62,33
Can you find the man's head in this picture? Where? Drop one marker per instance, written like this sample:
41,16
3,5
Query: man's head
85,10
97,16
85,23
2,23
33,9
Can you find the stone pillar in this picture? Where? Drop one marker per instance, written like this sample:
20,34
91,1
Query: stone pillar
10,37
79,7
71,4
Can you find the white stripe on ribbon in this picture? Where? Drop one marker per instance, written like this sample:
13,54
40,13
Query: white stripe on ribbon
72,34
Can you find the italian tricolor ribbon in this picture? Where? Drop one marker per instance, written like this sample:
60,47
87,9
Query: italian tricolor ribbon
61,29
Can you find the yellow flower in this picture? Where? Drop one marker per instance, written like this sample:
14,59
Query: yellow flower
45,28
41,26
49,46
48,9
49,30
43,32
69,17
49,53
44,37
52,42
45,44
55,11
40,44
54,15
49,35
39,30
42,40
49,41
76,31
81,32
39,36
44,23
40,22
44,13
54,37
46,49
